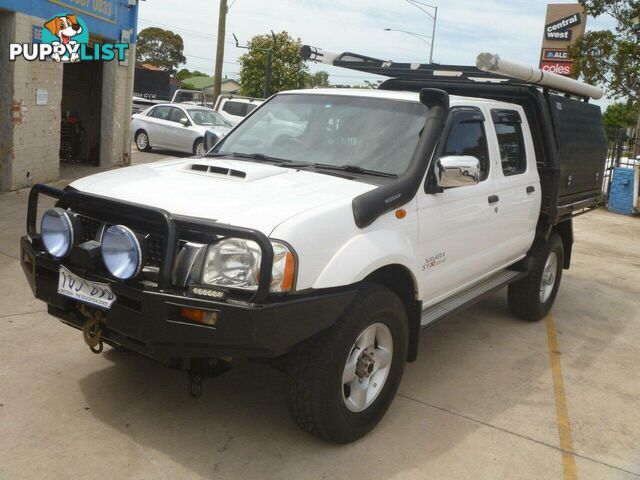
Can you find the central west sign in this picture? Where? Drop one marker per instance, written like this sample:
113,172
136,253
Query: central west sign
561,29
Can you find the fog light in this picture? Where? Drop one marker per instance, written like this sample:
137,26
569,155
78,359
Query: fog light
200,316
57,232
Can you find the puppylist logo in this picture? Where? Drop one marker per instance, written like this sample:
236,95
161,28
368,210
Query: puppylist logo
65,38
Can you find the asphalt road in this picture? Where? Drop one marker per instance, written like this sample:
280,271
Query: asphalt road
489,397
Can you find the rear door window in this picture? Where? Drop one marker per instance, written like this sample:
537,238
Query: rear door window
513,155
161,113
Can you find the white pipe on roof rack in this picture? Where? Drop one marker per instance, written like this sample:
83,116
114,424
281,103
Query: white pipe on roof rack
314,54
489,62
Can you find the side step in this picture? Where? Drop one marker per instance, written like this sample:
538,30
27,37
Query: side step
468,297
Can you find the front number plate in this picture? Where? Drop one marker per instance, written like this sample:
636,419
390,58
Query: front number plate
94,293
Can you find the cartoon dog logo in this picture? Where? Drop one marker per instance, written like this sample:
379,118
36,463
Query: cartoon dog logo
65,27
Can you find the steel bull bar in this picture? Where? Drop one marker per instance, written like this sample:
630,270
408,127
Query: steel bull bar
171,227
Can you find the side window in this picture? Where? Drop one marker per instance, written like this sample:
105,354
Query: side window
161,113
237,109
468,137
510,141
176,115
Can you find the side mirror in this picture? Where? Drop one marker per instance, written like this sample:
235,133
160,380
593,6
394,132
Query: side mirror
185,122
210,139
457,171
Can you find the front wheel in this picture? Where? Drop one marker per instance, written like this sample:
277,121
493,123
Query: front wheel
532,297
342,382
198,148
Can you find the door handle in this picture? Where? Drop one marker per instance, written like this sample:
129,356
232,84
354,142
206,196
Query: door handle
531,189
494,199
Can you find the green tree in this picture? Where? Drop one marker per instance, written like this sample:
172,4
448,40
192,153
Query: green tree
611,59
186,73
161,48
318,79
288,70
620,115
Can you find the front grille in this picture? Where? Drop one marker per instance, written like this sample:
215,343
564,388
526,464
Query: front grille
92,230
155,247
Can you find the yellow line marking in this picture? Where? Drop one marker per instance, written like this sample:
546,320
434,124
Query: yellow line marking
562,413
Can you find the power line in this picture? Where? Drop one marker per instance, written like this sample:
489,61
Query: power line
175,27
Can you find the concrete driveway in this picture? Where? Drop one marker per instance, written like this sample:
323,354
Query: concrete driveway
489,397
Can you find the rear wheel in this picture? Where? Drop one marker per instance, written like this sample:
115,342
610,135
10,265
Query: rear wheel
532,297
142,141
342,382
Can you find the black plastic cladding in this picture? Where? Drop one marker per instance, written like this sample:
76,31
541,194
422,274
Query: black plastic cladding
159,222
371,205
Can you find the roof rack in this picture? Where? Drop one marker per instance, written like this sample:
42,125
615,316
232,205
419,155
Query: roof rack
493,70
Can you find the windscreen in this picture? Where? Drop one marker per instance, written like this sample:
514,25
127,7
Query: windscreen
207,118
372,133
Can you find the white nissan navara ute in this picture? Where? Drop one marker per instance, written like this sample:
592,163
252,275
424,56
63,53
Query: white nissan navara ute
324,231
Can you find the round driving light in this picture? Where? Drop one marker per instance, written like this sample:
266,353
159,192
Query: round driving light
121,252
56,229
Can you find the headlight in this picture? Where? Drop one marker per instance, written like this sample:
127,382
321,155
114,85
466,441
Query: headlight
121,252
235,263
57,232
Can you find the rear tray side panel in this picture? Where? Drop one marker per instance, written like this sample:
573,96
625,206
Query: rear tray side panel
582,148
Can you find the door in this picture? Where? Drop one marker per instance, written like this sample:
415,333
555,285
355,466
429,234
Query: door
457,241
179,137
156,123
517,175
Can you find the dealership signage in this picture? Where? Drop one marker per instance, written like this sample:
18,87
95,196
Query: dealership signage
103,9
565,23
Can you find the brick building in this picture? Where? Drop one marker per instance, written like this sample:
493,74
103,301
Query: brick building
52,112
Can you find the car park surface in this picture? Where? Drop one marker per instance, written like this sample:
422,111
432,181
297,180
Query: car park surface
480,402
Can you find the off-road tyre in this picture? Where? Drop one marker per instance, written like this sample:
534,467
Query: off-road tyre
525,295
315,370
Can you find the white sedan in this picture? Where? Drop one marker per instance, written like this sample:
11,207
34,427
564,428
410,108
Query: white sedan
177,127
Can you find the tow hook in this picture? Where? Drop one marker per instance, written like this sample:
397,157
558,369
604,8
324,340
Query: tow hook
202,368
92,328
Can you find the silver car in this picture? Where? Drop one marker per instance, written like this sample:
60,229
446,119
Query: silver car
177,127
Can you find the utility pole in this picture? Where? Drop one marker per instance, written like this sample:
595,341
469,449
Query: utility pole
267,73
222,26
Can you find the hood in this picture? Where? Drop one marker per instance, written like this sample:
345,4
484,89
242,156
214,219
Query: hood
234,192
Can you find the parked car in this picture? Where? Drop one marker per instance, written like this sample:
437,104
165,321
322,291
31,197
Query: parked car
177,127
141,104
324,231
234,108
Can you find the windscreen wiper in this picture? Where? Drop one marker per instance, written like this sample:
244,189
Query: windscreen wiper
354,169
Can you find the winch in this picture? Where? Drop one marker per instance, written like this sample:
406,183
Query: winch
92,328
